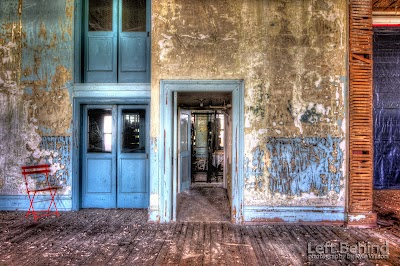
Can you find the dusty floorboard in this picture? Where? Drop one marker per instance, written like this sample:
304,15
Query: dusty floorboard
123,237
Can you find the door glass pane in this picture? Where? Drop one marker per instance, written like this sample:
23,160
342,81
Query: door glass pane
99,135
100,15
184,132
133,131
133,15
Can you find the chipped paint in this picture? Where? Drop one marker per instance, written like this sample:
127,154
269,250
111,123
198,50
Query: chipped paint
359,217
47,64
56,152
296,172
35,72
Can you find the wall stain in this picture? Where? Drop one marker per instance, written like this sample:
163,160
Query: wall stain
43,32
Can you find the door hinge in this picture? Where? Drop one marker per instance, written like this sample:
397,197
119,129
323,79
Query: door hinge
147,156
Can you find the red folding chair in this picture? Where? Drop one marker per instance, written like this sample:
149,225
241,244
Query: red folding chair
37,183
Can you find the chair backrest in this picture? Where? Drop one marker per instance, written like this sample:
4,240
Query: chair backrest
39,173
36,169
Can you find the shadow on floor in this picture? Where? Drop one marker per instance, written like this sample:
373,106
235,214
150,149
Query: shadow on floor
203,204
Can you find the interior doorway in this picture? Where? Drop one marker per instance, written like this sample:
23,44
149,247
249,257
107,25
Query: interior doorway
208,147
386,114
203,131
386,108
168,138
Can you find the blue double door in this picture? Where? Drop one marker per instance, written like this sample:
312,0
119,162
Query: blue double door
115,156
116,38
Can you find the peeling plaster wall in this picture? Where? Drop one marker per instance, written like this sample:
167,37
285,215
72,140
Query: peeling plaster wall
292,57
36,51
47,62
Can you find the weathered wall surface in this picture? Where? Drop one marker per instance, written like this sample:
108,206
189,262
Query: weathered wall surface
36,47
292,57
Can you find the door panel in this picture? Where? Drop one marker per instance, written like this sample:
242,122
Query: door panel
184,143
132,185
99,172
99,155
100,54
133,54
132,172
132,191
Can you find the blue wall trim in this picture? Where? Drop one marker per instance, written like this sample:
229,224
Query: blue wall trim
111,90
21,203
254,214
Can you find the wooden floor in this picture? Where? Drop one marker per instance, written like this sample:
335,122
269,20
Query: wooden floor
123,237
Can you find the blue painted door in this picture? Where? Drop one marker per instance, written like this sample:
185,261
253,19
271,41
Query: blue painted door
134,41
117,41
184,149
115,160
100,42
132,156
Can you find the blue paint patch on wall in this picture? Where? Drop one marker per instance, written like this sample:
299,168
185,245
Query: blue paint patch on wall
296,166
8,13
28,91
45,130
305,165
255,169
48,41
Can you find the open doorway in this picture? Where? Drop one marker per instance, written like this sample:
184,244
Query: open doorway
386,56
203,148
168,150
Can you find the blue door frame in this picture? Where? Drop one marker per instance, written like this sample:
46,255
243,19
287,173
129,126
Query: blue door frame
167,158
104,94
